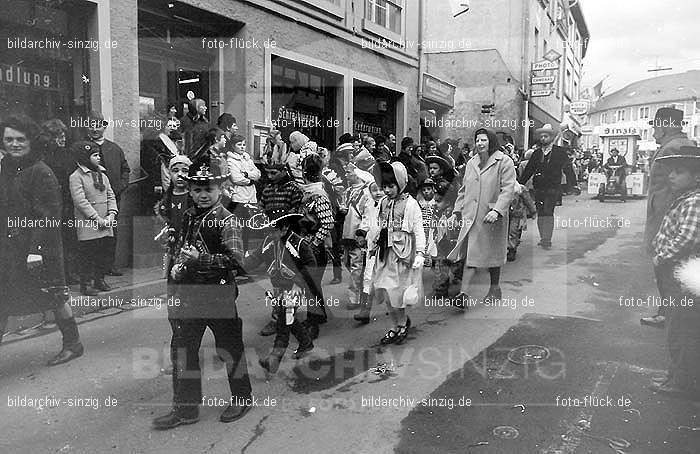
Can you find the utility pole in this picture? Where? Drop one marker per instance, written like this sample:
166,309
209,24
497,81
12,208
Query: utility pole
658,68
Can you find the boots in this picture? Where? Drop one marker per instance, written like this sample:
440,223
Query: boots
271,362
494,294
101,285
365,308
511,254
304,338
86,290
72,348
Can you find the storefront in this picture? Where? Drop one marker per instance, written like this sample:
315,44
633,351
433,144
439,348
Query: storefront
45,57
305,99
438,98
374,109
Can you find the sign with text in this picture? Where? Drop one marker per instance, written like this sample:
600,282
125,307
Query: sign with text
552,55
543,80
24,77
540,93
578,107
627,131
544,64
438,91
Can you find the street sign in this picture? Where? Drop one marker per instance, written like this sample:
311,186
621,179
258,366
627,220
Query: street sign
578,107
544,64
540,93
552,55
543,80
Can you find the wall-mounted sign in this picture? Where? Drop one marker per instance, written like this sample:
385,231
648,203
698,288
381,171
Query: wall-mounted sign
544,64
438,91
626,131
552,55
24,77
578,107
540,93
543,80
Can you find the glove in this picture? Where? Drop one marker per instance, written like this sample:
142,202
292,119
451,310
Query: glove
418,262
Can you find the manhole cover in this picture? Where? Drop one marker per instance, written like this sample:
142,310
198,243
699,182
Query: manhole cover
506,432
528,354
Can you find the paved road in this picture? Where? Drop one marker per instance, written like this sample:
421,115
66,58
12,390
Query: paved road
448,389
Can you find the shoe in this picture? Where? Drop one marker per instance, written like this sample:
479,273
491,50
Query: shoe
401,335
657,321
87,291
271,362
312,328
389,337
301,350
114,272
234,413
172,420
408,322
511,255
362,318
67,354
101,285
269,329
460,301
335,280
545,244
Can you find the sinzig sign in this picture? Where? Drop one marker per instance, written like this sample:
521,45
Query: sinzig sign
628,131
578,107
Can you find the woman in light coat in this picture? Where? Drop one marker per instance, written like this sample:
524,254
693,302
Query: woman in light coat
95,215
482,205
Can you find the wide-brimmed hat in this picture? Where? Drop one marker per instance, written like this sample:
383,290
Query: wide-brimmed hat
446,164
276,217
207,169
668,117
685,154
548,128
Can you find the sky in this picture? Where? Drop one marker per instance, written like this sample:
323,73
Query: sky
628,36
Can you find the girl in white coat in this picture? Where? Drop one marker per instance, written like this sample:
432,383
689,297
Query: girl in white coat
398,278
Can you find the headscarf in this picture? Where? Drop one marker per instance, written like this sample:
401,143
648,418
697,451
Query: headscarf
493,139
397,169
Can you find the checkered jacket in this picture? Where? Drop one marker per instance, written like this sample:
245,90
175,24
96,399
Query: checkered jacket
679,235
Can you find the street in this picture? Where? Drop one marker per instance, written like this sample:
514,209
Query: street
456,385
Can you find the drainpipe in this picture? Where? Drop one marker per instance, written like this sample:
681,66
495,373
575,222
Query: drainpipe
525,76
421,55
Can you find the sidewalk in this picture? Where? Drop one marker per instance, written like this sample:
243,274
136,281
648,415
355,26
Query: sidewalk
135,283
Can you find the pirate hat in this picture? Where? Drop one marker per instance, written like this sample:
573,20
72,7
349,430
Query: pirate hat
277,217
207,169
668,117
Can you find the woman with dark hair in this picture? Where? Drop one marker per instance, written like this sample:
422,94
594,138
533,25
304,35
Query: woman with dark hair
482,205
173,111
32,277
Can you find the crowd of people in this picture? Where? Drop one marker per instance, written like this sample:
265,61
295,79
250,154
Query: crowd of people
388,212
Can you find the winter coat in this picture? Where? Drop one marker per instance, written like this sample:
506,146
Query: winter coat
243,189
30,223
484,189
660,195
91,204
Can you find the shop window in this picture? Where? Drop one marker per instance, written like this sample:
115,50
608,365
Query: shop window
384,18
305,99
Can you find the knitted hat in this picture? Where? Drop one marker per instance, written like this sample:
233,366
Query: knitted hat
179,159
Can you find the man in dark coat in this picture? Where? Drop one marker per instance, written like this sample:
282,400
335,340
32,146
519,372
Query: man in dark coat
195,127
545,167
31,252
210,255
669,135
113,159
417,170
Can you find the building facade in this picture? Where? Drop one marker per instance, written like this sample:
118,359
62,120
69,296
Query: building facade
621,119
324,67
487,53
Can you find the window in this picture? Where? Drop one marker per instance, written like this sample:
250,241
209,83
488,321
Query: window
605,118
696,131
537,44
575,93
335,7
620,115
385,13
643,113
567,83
